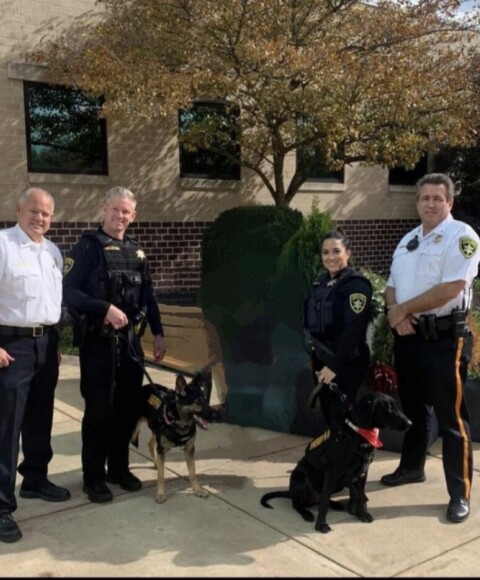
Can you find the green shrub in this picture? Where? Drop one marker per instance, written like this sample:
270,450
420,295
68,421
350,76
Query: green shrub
251,230
382,337
66,334
240,252
299,265
302,251
378,283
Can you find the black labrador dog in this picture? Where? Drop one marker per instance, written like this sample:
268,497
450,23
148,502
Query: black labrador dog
340,458
173,416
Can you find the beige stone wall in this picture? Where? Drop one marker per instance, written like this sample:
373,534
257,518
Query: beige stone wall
145,158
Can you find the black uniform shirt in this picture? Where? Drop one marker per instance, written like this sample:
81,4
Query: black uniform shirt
84,258
351,311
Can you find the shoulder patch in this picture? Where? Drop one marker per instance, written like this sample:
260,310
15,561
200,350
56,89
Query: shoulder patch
357,302
468,246
67,265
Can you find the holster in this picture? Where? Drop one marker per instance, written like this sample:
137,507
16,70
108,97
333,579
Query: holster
427,327
82,326
431,328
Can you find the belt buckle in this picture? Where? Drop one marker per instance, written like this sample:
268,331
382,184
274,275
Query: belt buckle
37,331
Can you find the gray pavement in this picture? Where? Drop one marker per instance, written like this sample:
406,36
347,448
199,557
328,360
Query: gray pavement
229,534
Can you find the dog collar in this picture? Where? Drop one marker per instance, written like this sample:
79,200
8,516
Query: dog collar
370,435
167,416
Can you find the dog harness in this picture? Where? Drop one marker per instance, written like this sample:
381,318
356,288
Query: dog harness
317,450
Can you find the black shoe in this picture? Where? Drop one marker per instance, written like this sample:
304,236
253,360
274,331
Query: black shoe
9,531
126,481
48,491
402,476
458,509
98,492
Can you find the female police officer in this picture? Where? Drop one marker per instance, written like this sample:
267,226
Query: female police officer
336,315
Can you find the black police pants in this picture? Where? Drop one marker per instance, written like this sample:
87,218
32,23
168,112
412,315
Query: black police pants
27,391
433,373
110,384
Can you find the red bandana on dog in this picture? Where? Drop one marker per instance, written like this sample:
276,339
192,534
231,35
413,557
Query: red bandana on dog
370,435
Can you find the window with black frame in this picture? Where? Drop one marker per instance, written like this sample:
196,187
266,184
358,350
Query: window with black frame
309,161
402,176
65,133
217,160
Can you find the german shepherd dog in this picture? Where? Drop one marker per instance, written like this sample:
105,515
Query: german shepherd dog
340,458
172,416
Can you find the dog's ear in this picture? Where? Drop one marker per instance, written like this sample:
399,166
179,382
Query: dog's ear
180,385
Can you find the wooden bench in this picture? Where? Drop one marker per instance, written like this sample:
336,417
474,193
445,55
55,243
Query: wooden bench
170,363
191,344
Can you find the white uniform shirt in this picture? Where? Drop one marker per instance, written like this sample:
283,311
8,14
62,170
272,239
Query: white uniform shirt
448,253
30,280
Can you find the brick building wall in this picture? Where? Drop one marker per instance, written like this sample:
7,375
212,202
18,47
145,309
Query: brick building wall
373,241
174,249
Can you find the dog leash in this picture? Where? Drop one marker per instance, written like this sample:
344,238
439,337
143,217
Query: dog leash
313,400
135,355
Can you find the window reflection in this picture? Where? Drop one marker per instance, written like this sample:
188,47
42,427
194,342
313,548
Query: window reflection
207,132
64,131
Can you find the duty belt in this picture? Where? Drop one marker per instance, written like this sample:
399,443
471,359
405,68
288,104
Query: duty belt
432,327
33,331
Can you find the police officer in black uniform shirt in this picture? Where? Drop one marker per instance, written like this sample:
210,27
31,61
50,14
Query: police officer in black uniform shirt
336,316
108,290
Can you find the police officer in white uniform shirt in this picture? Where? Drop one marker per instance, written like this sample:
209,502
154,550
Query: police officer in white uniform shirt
30,304
427,297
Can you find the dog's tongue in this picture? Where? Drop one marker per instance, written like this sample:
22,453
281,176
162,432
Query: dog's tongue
200,422
371,435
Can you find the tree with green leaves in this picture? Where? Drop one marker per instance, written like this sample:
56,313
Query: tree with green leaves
343,80
463,166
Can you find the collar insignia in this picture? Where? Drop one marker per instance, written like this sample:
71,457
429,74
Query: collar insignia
357,302
468,246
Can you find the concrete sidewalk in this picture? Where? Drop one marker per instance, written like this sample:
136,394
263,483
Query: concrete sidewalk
229,534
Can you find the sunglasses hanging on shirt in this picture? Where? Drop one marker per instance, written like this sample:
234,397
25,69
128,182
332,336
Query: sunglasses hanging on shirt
413,244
